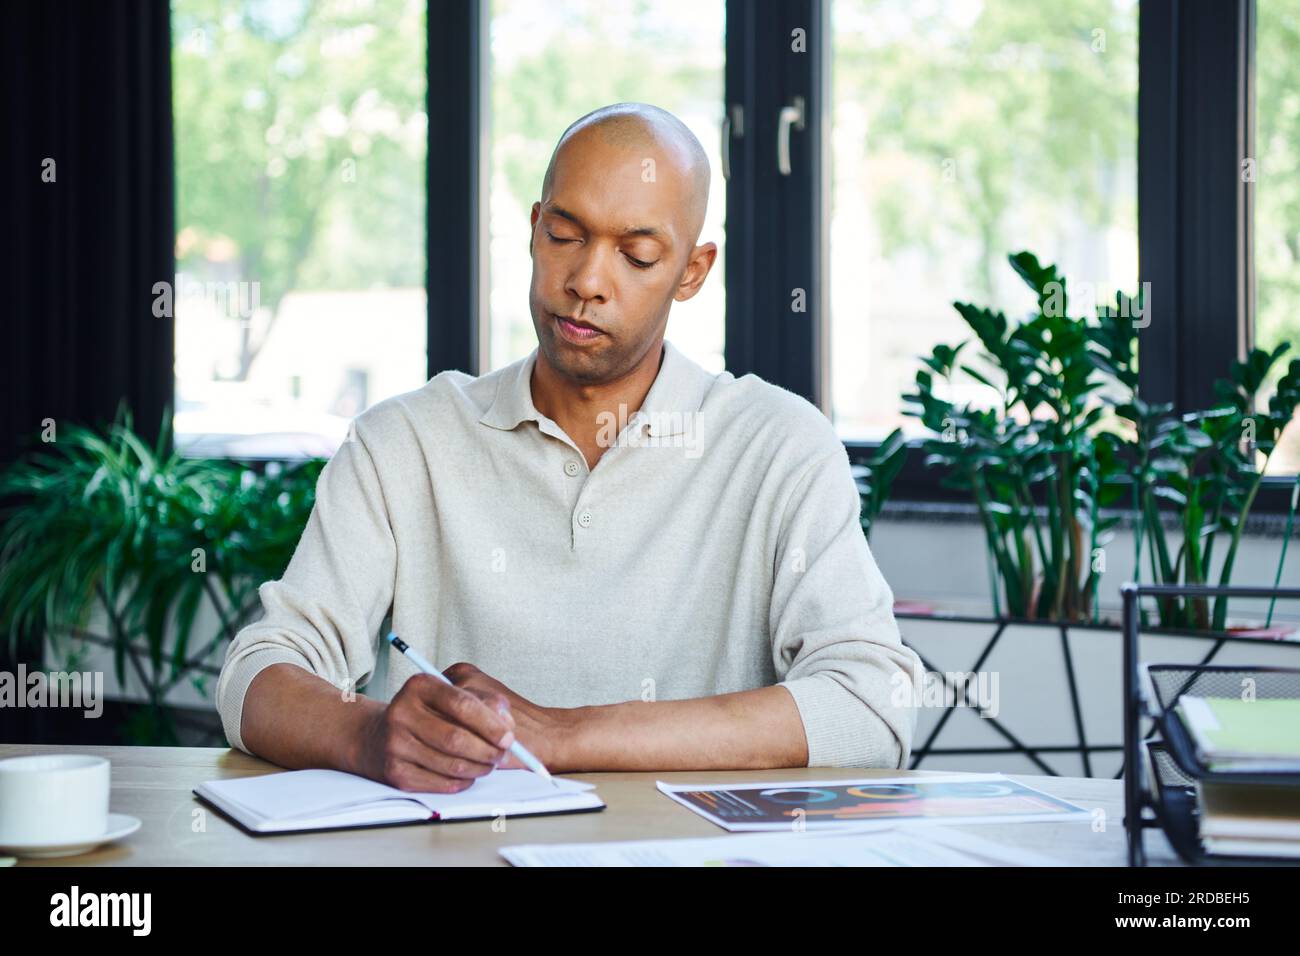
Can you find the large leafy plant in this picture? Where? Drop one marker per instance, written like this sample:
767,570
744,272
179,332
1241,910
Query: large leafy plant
105,528
1204,469
1031,462
875,476
1067,440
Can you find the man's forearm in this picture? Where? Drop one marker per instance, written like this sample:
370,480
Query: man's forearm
296,719
748,730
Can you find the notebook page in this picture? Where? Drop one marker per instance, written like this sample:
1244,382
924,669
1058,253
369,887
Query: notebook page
300,793
502,787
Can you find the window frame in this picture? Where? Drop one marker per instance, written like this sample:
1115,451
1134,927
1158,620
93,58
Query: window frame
777,225
457,102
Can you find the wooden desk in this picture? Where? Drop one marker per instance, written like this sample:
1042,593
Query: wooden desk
155,783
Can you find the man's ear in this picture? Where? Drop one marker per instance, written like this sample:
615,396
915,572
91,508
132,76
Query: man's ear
697,269
532,226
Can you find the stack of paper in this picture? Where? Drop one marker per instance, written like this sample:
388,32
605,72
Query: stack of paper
898,846
1244,820
1243,736
1232,736
873,821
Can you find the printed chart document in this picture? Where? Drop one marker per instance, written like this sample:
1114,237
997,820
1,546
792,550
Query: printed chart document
840,804
900,845
299,800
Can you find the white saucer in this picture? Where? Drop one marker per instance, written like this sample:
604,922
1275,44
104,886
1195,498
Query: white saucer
119,825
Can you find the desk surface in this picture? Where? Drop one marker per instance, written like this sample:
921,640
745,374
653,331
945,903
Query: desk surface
155,783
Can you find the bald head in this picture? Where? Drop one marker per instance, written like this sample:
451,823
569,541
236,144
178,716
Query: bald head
642,127
613,244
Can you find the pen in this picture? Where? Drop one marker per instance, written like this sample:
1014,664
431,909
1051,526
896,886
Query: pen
516,748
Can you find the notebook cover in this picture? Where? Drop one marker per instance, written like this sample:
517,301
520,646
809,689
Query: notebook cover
374,826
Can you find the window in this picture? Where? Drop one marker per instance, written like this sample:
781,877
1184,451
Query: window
959,131
300,147
1277,194
963,131
553,62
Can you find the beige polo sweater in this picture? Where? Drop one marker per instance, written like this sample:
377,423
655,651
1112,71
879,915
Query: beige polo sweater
715,547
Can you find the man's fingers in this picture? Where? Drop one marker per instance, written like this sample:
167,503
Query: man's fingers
496,702
437,733
463,707
405,775
450,765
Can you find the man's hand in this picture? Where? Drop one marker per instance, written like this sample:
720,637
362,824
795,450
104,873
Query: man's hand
437,738
541,729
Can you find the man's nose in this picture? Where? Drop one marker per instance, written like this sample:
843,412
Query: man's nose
590,278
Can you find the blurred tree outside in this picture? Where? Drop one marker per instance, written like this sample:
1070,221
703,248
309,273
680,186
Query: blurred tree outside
1016,108
1277,180
962,130
300,141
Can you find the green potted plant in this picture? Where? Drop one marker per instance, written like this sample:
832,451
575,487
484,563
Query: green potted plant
111,541
1067,440
1205,467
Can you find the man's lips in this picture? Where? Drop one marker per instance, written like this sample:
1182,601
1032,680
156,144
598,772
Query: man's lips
577,331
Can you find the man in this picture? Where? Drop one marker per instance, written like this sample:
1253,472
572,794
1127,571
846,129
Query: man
639,565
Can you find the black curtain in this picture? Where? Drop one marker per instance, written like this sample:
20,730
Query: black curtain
89,221
87,226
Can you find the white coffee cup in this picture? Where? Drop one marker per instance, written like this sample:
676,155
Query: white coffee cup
53,798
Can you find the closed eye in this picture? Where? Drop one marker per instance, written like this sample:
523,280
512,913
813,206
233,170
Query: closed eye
638,263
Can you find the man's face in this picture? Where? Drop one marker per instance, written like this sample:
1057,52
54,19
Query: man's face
608,252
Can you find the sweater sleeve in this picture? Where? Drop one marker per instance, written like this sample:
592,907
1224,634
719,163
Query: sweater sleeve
835,643
324,614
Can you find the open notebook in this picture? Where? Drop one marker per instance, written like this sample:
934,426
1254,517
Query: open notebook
329,799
